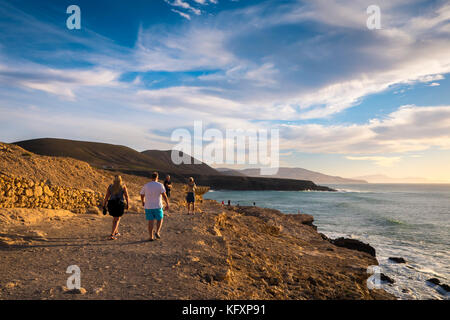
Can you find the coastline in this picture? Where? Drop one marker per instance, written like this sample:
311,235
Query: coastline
218,253
386,218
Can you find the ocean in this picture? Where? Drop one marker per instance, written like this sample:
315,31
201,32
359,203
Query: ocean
399,220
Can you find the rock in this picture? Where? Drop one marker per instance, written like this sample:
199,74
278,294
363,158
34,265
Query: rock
354,244
312,281
384,277
397,259
288,277
47,191
98,290
434,281
29,193
445,287
38,191
209,278
224,275
324,237
76,291
437,282
274,281
11,285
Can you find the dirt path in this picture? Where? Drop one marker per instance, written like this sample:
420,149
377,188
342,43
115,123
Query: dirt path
127,268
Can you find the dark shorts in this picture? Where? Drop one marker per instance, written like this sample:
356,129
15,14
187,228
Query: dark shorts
116,208
190,197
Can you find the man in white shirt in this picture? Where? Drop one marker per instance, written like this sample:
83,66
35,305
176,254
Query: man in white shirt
151,195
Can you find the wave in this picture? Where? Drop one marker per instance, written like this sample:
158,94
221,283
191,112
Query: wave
394,221
353,191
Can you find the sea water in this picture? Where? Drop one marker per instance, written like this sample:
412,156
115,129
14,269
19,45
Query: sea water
400,220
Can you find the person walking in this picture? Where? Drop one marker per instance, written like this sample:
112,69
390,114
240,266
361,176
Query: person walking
151,195
190,196
168,185
114,200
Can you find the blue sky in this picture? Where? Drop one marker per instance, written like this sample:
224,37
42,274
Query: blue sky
347,100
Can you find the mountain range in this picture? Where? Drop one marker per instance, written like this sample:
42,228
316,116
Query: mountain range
294,173
127,160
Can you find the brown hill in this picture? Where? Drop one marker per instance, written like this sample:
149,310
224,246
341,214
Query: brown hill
192,168
102,155
130,161
116,157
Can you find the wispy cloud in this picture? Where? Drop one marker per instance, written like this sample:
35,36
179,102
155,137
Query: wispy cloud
184,5
184,15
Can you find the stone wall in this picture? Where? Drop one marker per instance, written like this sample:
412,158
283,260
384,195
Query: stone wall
26,193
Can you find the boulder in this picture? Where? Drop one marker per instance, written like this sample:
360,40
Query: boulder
354,244
384,277
397,259
445,287
434,281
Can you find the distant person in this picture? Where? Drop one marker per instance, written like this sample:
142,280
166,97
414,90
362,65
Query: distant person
151,195
114,201
254,203
168,185
223,203
190,196
229,203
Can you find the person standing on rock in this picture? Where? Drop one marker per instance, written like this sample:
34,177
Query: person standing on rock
190,196
168,186
151,195
114,201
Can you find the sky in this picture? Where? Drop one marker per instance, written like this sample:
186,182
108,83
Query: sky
347,100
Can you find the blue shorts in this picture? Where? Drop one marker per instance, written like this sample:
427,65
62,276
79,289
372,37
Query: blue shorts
154,214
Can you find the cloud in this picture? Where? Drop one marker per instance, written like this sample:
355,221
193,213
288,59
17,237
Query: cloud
62,83
298,60
184,15
410,128
313,76
380,161
184,5
191,49
273,73
34,123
